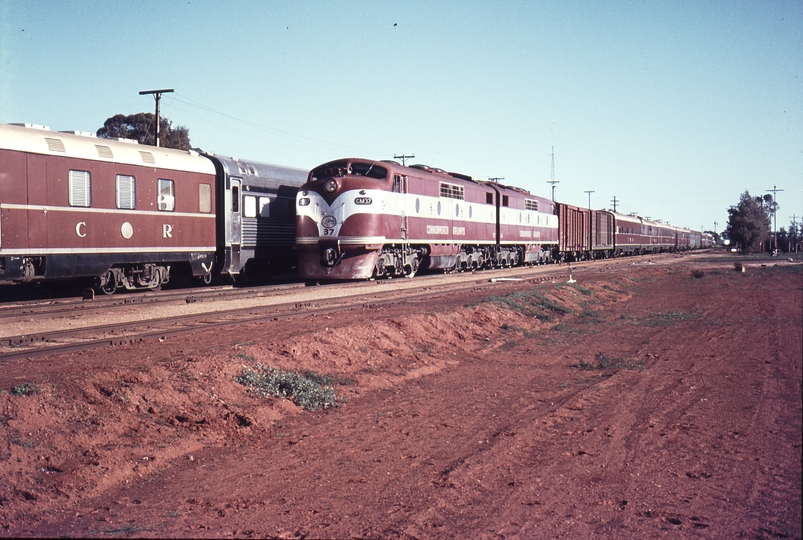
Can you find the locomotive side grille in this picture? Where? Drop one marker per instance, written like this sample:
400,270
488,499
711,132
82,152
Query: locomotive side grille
55,145
104,151
265,233
147,157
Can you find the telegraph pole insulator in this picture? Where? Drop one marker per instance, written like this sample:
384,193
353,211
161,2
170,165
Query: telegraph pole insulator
157,94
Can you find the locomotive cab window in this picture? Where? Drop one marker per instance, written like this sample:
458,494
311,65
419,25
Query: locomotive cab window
489,198
166,190
505,200
368,169
80,186
126,192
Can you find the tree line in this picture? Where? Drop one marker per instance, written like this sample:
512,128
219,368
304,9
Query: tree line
750,226
141,127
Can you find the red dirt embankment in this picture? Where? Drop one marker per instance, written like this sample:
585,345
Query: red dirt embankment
642,403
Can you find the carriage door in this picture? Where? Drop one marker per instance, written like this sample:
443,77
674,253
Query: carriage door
235,216
400,186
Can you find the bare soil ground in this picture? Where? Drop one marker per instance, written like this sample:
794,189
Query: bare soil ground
642,403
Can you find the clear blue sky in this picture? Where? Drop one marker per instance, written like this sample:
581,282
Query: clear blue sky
674,107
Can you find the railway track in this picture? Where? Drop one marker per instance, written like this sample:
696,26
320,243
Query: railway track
74,325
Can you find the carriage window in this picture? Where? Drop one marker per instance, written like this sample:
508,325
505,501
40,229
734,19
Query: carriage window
250,206
126,192
80,186
205,198
235,197
166,190
264,207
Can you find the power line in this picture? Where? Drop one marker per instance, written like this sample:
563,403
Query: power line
193,103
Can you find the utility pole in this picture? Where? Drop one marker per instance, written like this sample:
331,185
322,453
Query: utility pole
496,179
774,191
589,198
404,158
157,95
614,201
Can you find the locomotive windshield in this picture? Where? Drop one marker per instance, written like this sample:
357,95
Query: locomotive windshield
337,169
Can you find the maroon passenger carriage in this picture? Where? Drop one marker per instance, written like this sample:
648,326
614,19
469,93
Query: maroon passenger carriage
358,219
72,205
636,235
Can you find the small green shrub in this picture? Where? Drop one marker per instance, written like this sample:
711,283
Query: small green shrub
531,304
306,390
24,389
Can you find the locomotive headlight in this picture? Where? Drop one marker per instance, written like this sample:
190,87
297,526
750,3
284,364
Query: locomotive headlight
330,186
303,202
329,222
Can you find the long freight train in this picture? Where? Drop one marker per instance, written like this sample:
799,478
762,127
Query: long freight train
130,216
358,219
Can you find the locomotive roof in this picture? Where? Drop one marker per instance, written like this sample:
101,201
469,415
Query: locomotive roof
81,145
446,175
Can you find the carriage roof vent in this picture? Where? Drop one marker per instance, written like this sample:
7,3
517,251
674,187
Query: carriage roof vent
80,133
104,151
129,141
55,145
147,157
32,126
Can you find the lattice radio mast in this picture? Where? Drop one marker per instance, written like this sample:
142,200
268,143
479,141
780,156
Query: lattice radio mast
552,176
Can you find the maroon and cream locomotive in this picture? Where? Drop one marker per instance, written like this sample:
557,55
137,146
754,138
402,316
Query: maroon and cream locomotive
358,219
